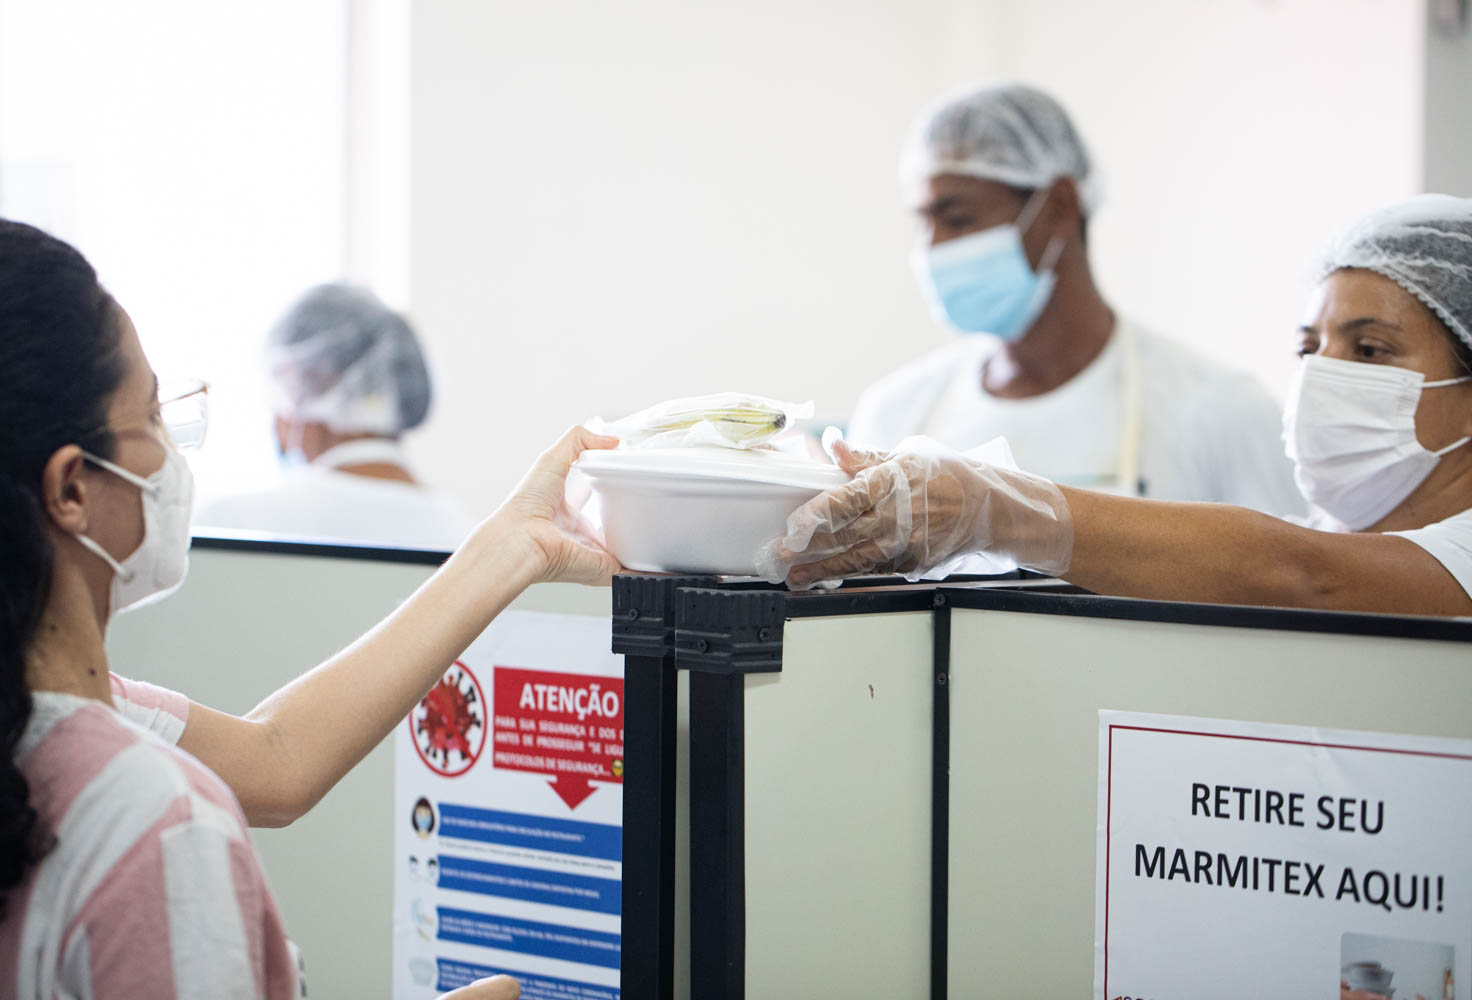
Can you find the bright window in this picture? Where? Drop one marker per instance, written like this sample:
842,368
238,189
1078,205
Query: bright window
196,153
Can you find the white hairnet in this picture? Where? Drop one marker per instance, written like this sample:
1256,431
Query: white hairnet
341,357
1012,134
1424,245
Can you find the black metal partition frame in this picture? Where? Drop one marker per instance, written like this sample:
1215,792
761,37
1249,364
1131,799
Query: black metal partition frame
644,631
260,542
719,633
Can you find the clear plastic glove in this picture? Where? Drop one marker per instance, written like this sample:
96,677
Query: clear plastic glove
916,509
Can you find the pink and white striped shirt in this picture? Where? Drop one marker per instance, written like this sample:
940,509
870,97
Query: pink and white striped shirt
153,888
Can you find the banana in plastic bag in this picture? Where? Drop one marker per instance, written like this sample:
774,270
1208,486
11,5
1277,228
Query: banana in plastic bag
727,419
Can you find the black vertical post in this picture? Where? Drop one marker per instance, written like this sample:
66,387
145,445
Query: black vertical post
940,790
717,836
648,927
644,630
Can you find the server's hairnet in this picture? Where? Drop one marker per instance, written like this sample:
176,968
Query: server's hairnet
341,357
1012,134
1424,245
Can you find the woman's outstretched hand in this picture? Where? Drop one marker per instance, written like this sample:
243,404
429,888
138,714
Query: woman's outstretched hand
568,546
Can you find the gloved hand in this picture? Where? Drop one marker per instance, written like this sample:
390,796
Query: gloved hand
915,509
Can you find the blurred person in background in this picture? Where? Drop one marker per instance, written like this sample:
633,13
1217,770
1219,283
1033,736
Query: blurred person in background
1004,189
348,378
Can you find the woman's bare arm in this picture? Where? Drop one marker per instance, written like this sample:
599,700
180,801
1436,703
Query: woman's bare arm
281,758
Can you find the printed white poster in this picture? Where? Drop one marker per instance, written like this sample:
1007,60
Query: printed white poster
1245,859
508,810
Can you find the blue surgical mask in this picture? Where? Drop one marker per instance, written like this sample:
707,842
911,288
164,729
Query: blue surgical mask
983,283
290,456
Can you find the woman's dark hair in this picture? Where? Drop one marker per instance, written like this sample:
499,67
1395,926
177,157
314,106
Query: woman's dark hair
60,364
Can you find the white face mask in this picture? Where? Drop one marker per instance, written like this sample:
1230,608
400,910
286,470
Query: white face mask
158,566
1350,429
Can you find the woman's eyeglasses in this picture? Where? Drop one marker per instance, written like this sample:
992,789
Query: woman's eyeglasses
184,410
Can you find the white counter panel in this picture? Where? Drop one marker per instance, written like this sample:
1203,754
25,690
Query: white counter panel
838,791
1025,694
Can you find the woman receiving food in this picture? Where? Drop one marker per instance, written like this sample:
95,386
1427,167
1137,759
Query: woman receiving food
125,866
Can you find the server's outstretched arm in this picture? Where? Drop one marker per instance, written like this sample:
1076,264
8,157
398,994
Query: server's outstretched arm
1230,555
285,754
914,509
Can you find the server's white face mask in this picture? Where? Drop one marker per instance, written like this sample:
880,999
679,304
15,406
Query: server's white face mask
1350,429
158,566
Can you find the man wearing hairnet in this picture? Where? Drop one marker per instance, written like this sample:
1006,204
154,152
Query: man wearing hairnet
348,378
1004,188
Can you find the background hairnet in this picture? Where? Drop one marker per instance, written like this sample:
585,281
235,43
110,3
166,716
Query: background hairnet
1424,245
341,357
1012,134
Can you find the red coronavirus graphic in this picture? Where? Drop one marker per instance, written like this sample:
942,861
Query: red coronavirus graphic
448,725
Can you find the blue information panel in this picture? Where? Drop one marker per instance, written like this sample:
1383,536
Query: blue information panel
535,884
453,975
508,804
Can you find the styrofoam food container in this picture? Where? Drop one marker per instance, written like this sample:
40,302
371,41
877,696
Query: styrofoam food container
699,510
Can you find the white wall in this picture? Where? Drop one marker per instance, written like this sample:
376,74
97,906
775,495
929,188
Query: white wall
590,207
614,204
618,203
1448,115
1236,137
377,169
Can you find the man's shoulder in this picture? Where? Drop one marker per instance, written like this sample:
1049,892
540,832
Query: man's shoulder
1194,384
1162,352
933,365
897,404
